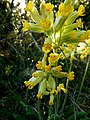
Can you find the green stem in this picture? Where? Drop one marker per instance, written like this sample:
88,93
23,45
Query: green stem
55,114
39,110
65,96
67,89
83,79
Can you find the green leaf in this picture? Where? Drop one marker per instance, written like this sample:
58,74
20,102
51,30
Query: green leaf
79,115
59,22
58,75
71,18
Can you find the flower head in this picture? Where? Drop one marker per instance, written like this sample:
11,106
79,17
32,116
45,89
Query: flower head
58,68
45,24
53,57
39,65
35,74
51,101
81,10
70,76
65,10
79,23
29,6
29,84
61,87
49,7
48,68
39,96
47,47
26,26
70,46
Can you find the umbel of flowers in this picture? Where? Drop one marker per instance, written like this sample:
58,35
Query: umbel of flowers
63,38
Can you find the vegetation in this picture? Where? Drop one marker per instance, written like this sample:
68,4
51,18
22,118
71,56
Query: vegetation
20,51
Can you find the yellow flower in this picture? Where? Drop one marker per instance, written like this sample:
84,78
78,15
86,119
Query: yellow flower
62,8
81,10
48,68
70,76
29,84
53,57
70,46
49,7
72,58
57,14
47,47
65,10
26,83
82,56
39,65
79,23
62,57
61,87
46,24
29,6
51,101
35,74
58,68
52,92
26,26
39,96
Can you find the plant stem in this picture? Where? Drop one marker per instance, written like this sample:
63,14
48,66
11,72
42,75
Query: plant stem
55,114
65,96
83,79
39,110
66,89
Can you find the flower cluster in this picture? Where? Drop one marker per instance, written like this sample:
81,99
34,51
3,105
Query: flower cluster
64,35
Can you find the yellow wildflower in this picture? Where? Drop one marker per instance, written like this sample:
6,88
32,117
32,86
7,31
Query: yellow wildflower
79,23
51,101
62,8
47,47
48,68
29,6
52,92
35,74
72,58
57,14
82,56
62,57
49,7
61,87
70,76
28,84
26,26
46,24
81,10
70,46
58,68
84,52
39,96
39,65
53,57
65,10
31,85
